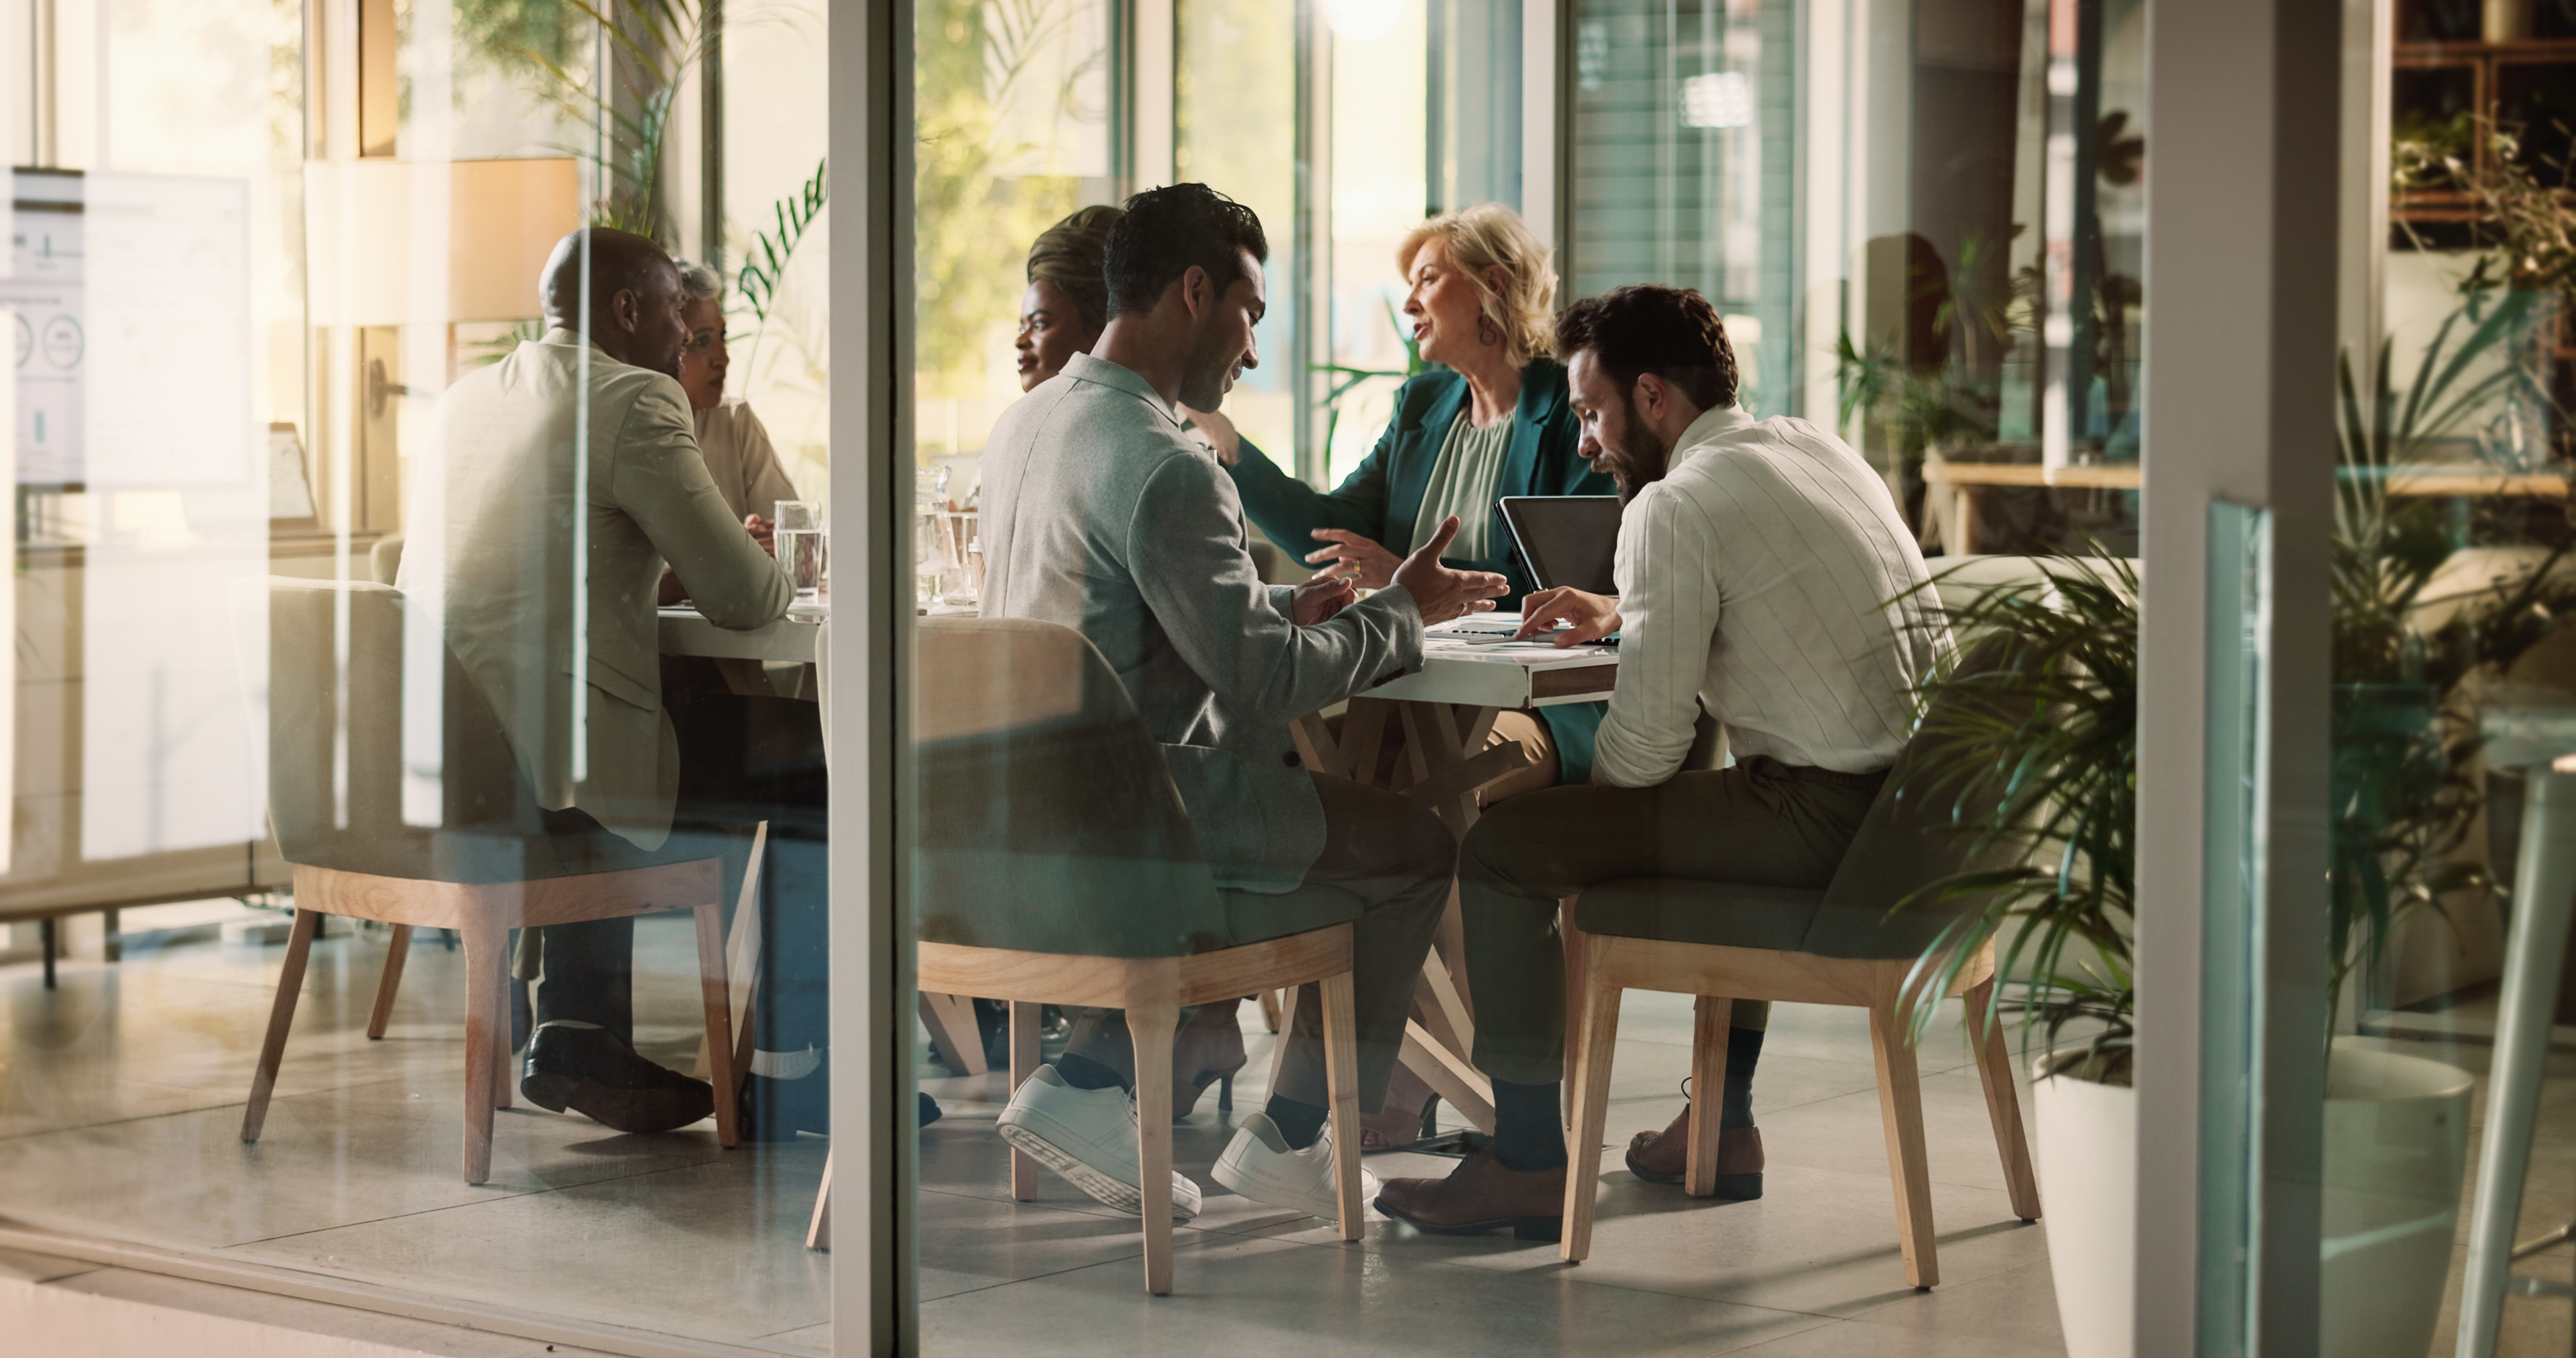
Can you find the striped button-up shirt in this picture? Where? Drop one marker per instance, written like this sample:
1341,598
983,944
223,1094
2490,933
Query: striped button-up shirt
1769,577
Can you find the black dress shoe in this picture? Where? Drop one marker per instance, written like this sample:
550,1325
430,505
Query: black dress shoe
594,1072
776,1110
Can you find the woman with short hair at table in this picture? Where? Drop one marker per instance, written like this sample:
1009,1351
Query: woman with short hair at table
731,439
1067,304
1489,420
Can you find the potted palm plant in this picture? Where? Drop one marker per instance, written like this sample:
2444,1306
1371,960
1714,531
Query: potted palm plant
2051,720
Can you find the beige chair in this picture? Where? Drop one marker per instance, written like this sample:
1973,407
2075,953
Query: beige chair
337,804
1054,865
1724,941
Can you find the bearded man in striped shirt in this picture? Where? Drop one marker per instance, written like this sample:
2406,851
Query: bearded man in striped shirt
1766,576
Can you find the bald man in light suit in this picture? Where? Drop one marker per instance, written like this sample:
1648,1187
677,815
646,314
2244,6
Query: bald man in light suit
589,425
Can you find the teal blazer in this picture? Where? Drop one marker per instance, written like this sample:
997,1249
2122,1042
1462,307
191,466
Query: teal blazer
1382,498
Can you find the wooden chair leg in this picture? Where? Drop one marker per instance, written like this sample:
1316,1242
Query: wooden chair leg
281,1016
1900,1107
1270,1010
1575,970
1342,1079
1592,1107
1149,1026
487,1009
1024,1063
1708,1080
2003,1100
718,1003
397,951
742,962
818,1231
953,1030
504,1081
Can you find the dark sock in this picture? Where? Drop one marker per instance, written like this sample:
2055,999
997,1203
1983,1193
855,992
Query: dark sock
1743,1050
1301,1123
1082,1072
1529,1127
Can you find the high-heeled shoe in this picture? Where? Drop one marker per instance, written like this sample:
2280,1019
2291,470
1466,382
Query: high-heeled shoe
1406,1118
1207,1050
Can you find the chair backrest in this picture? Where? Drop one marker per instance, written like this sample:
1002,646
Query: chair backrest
1044,818
1910,839
384,560
337,781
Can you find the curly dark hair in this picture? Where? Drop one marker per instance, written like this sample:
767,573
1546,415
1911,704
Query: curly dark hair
1673,333
1167,230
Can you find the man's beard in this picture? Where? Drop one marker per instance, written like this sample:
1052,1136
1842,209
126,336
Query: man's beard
1645,459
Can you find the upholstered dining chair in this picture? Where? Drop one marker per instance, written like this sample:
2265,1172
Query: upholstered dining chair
444,835
1054,864
1723,942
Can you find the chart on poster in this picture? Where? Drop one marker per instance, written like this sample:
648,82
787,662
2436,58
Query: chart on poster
43,293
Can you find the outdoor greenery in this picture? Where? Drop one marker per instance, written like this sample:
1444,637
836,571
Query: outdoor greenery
975,207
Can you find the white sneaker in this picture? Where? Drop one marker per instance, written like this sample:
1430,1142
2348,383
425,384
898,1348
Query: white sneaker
1089,1137
1259,1165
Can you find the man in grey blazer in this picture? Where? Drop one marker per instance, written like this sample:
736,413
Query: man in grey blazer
556,484
1099,514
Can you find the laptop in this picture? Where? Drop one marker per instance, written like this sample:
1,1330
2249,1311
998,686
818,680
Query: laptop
1566,539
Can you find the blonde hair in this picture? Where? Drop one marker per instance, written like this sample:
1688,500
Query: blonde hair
1479,238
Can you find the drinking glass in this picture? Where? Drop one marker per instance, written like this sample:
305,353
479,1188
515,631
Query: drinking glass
802,547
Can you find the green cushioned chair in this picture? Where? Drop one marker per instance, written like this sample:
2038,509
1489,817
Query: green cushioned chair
458,843
1054,864
1725,941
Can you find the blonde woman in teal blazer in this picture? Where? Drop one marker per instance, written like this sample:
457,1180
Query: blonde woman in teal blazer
1490,421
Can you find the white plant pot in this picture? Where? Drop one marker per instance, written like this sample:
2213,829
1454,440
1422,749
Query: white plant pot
2397,1145
2088,1193
2396,1148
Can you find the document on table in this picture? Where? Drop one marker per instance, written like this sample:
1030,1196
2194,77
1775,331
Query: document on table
1488,636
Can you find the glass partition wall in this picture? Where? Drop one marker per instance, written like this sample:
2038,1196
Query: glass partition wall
1919,225
392,895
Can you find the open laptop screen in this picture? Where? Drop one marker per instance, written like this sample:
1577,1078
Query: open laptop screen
1566,539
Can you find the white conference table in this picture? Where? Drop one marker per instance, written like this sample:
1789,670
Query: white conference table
1446,712
687,632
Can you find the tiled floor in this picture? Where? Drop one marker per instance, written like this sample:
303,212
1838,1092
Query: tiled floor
1809,1269
120,1113
120,1106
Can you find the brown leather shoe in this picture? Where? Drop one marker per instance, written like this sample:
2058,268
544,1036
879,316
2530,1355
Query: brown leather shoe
1482,1194
1664,1158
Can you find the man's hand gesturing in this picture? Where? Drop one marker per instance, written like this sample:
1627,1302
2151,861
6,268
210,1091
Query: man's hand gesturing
1441,593
1320,600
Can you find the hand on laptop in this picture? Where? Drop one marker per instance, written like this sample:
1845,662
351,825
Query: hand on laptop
1439,592
1587,617
1365,563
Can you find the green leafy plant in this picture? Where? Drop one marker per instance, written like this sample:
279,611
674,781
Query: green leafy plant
2041,725
764,268
1346,379
648,45
977,198
2402,786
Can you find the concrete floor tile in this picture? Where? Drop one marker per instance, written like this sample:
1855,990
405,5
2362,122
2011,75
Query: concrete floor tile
712,1250
1254,1298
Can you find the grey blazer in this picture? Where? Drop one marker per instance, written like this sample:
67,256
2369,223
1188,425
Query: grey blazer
1100,515
508,470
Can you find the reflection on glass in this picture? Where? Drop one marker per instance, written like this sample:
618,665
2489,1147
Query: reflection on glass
420,905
